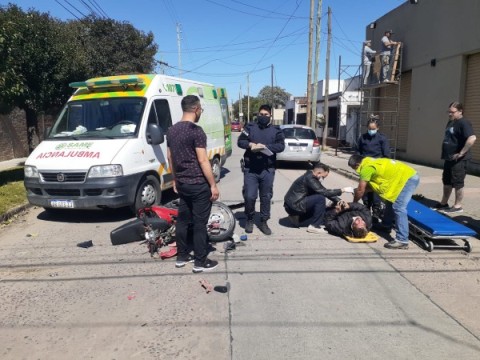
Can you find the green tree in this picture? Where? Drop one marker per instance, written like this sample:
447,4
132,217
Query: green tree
29,65
254,105
40,56
280,96
111,47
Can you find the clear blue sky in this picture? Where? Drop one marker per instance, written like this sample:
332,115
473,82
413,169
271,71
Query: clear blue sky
224,40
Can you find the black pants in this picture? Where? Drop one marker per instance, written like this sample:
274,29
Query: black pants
253,184
193,212
374,203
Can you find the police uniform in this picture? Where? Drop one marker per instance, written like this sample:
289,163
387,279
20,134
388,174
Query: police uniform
259,168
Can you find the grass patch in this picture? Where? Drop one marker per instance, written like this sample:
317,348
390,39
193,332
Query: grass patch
12,191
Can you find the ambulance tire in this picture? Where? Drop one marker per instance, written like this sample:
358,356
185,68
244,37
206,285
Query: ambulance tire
216,169
148,193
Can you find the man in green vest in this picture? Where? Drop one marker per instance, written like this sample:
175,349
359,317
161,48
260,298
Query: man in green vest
395,182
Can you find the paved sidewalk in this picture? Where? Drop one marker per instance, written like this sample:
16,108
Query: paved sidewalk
8,164
430,186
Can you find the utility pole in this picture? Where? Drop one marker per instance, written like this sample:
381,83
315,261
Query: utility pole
273,96
240,110
248,98
315,67
179,31
309,66
327,80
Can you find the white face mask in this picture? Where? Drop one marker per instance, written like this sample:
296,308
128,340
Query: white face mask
372,132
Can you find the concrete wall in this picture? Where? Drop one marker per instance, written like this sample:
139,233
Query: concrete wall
445,31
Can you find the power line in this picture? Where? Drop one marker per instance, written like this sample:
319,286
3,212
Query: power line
268,11
75,16
75,8
251,14
97,5
283,28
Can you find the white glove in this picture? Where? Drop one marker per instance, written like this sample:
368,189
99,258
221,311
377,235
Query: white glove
348,189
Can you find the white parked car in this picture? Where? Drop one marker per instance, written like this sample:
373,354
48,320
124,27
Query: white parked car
301,144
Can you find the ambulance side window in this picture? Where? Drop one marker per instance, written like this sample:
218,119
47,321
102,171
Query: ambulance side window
160,114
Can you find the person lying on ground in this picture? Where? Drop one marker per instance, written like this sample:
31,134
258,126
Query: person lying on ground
348,219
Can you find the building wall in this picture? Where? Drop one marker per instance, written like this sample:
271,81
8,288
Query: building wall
437,36
13,135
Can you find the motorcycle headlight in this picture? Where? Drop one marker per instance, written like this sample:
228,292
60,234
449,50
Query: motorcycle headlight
101,171
30,171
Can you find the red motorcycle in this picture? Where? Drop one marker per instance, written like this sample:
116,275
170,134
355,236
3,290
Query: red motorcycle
156,226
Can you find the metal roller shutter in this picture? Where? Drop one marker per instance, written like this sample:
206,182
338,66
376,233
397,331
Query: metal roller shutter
472,100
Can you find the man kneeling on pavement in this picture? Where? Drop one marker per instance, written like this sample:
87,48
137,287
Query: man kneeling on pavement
305,201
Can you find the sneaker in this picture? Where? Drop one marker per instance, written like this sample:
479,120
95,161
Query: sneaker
294,220
263,226
396,245
439,206
182,263
208,265
316,229
249,226
452,210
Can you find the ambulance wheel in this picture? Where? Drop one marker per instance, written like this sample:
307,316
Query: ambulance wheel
216,169
148,193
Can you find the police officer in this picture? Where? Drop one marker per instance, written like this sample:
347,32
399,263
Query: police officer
262,142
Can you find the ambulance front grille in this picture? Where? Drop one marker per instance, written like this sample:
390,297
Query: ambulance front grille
63,177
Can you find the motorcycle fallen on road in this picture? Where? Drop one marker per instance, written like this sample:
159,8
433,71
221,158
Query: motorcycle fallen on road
155,226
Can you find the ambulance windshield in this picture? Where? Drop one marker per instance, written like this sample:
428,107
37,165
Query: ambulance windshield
100,118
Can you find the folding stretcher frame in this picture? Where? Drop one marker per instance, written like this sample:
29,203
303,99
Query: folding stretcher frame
427,225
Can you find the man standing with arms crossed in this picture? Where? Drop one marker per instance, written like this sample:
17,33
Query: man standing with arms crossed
195,184
458,140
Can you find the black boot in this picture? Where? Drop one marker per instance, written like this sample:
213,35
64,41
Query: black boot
249,226
263,226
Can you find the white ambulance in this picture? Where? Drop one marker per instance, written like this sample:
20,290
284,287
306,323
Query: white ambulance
107,148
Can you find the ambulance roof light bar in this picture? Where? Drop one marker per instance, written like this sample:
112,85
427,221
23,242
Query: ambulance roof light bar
93,83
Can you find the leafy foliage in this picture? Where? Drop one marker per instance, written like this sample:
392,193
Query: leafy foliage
280,96
41,55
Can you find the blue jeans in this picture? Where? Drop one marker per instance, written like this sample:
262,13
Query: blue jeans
398,209
315,211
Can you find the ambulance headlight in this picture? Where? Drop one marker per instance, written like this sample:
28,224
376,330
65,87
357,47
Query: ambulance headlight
105,171
30,172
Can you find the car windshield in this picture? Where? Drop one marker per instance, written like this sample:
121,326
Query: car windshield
299,133
99,118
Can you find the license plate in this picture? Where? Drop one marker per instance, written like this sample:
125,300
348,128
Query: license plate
62,204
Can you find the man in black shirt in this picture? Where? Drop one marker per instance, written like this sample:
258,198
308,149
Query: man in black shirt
195,184
458,140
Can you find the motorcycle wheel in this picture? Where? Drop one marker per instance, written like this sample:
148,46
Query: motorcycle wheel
224,215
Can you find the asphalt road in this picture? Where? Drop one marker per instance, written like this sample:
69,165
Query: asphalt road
292,295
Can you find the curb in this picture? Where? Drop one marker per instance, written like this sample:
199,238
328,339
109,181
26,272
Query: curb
12,212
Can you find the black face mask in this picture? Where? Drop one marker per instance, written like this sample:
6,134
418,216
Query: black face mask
263,121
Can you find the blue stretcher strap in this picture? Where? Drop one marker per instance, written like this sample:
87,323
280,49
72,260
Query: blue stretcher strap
435,223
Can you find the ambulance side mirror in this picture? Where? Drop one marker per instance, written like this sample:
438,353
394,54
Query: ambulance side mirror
155,134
